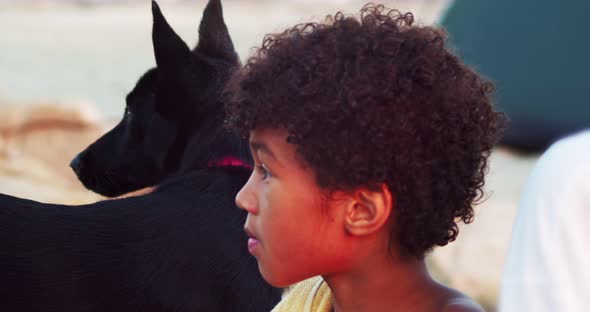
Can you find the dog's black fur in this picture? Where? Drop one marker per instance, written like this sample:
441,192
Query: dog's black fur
171,105
179,248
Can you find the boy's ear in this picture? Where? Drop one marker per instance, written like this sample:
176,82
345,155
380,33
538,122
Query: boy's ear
368,211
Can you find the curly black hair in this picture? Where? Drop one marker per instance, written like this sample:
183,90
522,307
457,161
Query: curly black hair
375,99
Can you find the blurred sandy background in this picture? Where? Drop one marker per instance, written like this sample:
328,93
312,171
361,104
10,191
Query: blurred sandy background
66,66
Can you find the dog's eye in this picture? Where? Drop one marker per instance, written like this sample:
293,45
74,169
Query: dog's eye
128,115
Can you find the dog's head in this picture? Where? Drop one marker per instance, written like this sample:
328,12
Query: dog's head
168,106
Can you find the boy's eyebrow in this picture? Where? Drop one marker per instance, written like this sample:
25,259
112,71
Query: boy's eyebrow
262,147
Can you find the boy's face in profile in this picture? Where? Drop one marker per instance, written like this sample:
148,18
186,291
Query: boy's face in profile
295,232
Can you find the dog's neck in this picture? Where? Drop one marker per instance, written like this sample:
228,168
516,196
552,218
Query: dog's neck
214,147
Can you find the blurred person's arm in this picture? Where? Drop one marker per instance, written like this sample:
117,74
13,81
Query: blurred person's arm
548,264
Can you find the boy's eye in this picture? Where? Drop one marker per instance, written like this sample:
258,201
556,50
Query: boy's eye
263,171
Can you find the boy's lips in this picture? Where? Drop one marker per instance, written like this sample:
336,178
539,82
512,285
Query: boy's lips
253,242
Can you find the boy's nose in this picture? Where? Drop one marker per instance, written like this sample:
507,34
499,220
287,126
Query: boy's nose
246,201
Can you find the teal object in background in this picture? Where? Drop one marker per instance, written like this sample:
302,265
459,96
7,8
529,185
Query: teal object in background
537,52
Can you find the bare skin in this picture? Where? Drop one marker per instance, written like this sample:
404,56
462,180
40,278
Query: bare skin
380,285
297,233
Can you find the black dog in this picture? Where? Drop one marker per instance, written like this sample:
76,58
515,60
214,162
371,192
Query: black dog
179,248
169,106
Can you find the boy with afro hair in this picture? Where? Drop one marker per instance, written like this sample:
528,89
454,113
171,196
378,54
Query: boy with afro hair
370,141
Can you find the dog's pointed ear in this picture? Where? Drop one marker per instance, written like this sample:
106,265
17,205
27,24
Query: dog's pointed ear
214,38
170,51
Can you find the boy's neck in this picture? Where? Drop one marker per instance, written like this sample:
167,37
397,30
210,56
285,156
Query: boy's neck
384,285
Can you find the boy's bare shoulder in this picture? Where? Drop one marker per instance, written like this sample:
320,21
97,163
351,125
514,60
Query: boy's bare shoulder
453,300
461,303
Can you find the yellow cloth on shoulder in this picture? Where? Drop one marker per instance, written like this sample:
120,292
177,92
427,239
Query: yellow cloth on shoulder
311,295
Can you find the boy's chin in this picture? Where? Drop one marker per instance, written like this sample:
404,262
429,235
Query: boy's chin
274,280
282,279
